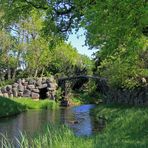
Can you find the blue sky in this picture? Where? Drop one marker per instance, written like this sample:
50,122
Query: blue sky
78,40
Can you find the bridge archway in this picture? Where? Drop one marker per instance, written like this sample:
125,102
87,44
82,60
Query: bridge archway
62,82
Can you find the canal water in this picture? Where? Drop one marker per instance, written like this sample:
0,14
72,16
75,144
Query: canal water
78,118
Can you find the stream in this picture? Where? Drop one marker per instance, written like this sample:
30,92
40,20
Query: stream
78,118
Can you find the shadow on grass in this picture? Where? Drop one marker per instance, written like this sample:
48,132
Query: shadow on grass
8,107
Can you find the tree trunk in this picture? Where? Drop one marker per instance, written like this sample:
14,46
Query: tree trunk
36,73
14,74
9,73
42,71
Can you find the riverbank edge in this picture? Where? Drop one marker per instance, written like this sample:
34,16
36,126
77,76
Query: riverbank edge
124,126
10,107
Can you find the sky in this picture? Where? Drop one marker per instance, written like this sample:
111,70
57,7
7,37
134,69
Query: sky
78,41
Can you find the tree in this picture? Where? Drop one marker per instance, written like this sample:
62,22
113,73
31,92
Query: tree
118,29
6,47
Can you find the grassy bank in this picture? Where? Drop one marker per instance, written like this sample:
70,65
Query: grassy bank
41,104
127,127
10,107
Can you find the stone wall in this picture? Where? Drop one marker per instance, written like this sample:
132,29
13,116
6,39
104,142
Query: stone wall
34,88
137,96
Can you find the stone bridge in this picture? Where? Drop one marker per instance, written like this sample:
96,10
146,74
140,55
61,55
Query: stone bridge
62,82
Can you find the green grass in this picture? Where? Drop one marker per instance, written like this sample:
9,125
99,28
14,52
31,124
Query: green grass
41,104
75,101
54,136
10,107
127,127
82,98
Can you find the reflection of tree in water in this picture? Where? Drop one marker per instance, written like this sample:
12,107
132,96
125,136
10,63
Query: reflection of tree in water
66,115
62,115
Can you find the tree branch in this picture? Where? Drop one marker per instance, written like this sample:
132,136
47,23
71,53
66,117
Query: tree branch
36,6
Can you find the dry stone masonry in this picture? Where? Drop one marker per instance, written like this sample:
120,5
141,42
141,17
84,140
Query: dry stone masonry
35,88
137,96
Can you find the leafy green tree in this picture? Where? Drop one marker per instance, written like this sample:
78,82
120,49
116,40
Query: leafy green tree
38,56
6,45
66,61
116,29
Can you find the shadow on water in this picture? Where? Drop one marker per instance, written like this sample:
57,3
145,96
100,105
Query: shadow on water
78,118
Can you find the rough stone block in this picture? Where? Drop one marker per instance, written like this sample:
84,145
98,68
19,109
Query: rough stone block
30,87
25,83
35,95
8,87
3,90
20,94
36,90
50,80
15,92
43,86
19,81
31,82
39,82
15,85
20,87
26,93
48,94
43,81
50,89
5,95
52,85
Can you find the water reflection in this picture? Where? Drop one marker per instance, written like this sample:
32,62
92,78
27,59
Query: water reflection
34,120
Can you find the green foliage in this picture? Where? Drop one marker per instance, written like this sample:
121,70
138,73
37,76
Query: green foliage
10,107
116,28
120,72
6,82
66,61
88,64
58,94
124,69
64,58
85,97
112,24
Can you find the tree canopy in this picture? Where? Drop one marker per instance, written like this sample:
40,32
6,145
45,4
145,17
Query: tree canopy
118,29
